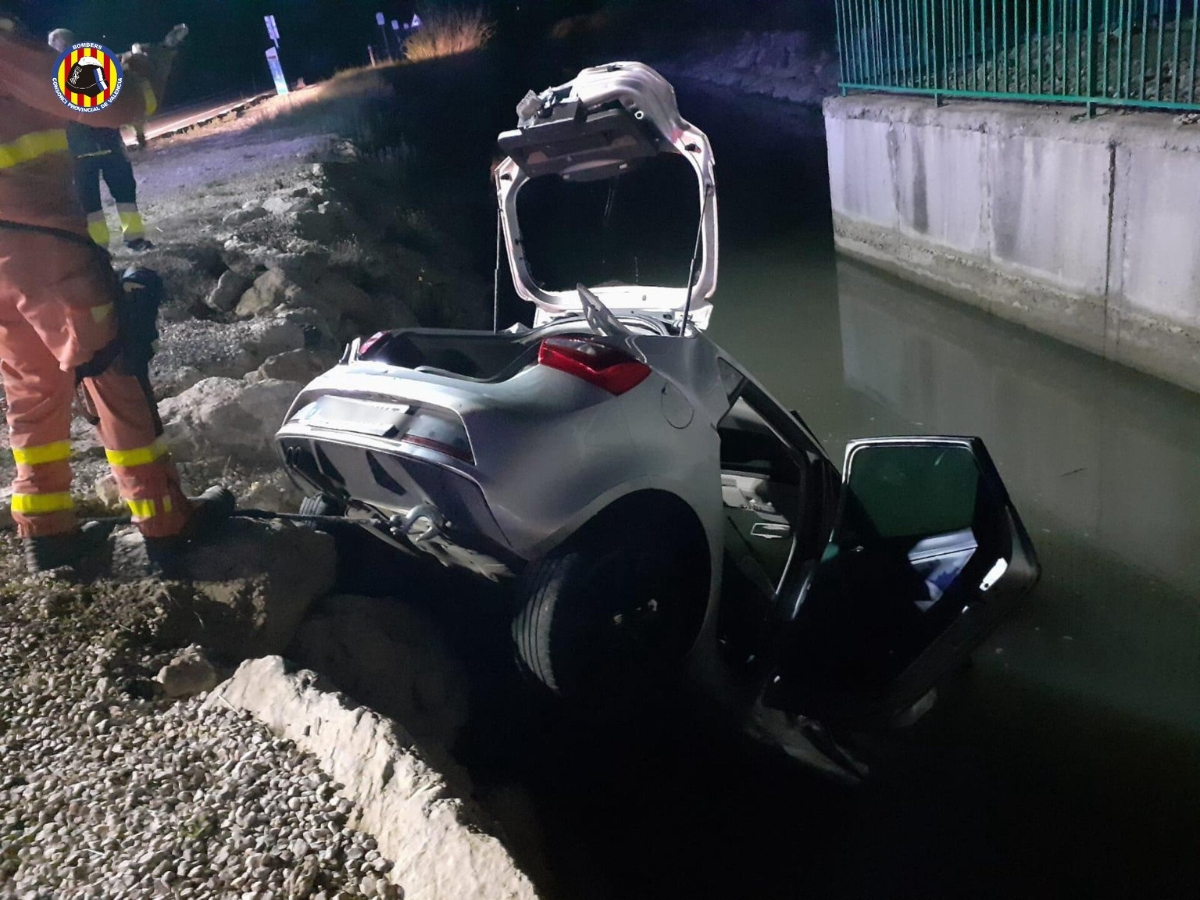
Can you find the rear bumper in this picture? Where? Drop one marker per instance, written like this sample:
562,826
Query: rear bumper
426,504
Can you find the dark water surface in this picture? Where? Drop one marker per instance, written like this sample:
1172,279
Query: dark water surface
1066,762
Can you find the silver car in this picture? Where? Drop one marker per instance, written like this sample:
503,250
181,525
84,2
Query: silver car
656,510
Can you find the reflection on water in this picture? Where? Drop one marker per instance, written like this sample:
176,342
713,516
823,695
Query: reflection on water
1097,678
1103,463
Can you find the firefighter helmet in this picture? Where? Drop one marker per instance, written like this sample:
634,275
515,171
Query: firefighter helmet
87,77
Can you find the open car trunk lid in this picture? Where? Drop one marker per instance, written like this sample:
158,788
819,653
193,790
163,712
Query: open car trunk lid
595,127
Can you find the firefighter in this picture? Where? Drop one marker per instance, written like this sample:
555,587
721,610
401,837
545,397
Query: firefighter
60,302
100,152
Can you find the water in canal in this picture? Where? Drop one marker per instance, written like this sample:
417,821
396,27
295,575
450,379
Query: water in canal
1066,762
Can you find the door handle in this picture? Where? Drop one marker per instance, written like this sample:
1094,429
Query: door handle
771,531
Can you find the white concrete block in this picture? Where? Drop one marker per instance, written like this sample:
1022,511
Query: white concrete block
1162,235
1050,206
860,169
940,175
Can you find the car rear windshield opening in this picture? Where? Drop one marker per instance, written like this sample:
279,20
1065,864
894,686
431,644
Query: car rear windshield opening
638,228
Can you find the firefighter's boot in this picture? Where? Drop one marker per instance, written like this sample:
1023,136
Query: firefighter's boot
77,553
209,511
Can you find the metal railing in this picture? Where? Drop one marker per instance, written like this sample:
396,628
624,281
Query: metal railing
1141,53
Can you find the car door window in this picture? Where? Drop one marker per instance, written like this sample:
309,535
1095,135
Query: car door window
926,556
762,494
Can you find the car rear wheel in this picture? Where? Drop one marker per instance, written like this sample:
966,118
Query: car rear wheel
607,618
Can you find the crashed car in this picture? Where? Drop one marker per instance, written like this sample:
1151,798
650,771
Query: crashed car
655,509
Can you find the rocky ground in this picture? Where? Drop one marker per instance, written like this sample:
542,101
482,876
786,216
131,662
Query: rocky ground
118,783
116,780
126,776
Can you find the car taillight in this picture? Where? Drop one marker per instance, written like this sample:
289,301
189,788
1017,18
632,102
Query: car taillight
594,362
440,446
371,343
439,431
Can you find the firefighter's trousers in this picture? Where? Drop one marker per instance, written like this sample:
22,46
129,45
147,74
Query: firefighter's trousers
56,313
117,171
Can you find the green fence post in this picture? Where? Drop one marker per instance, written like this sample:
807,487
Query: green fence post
1091,61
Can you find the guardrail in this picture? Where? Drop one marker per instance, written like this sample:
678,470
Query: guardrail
1136,53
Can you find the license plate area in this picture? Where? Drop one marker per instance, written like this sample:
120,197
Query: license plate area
356,416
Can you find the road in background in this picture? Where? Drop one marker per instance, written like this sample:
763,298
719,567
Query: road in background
194,114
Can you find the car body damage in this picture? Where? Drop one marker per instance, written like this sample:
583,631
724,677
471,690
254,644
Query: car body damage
655,508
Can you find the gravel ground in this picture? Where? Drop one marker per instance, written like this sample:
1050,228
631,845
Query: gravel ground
110,790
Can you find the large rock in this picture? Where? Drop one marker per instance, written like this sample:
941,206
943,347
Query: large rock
432,836
303,268
247,588
267,337
284,205
244,216
389,654
272,492
188,674
227,417
332,292
108,492
271,289
295,365
313,325
229,290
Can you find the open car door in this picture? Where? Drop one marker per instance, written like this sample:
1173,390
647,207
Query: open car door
927,555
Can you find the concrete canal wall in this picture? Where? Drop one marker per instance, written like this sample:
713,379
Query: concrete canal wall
1087,230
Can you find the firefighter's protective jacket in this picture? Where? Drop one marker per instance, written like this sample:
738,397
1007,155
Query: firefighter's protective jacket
36,185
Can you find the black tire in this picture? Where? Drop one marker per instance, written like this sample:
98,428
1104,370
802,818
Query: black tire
322,505
605,620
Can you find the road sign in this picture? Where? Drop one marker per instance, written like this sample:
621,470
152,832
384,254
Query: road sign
383,30
281,87
416,22
272,28
395,25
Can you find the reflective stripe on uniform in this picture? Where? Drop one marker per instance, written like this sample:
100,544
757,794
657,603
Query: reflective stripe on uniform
29,147
150,97
39,504
131,220
42,454
139,456
102,312
143,509
98,228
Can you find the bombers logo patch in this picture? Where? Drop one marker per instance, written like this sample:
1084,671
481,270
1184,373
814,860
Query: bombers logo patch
88,77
